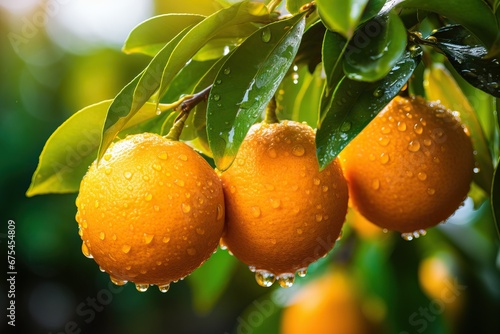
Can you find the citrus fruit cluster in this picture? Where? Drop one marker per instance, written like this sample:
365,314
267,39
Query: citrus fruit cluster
152,210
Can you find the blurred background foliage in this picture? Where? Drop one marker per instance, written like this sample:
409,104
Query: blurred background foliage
372,282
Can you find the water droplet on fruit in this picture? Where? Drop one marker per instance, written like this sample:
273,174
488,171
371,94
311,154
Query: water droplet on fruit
418,128
302,272
275,203
117,281
164,288
96,203
286,280
266,35
324,188
180,183
142,287
401,126
166,240
298,150
191,251
384,141
102,235
385,130
319,217
128,175
264,278
273,241
431,191
157,167
220,212
384,158
163,156
422,176
126,249
299,231
316,181
272,153
86,251
107,156
148,238
185,207
427,142
255,211
107,170
376,184
414,146
371,157
200,231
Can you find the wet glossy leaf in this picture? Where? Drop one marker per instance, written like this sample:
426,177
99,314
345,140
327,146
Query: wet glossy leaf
70,150
209,281
440,86
242,92
354,104
469,58
475,15
293,6
375,48
341,16
150,36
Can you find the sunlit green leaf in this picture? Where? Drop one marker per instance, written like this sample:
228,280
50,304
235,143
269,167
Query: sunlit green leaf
150,36
354,104
440,86
341,16
241,93
475,15
375,48
70,150
209,281
469,58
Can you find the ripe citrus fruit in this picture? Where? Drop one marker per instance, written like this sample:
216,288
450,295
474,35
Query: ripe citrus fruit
282,213
327,305
411,167
151,211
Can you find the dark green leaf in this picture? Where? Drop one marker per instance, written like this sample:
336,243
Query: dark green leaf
375,48
354,104
468,58
333,49
495,198
341,16
475,15
150,36
372,8
70,150
241,92
209,281
309,52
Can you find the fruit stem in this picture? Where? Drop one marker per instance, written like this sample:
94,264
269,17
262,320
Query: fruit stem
271,112
185,107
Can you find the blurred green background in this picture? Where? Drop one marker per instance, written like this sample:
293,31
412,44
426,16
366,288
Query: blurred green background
59,56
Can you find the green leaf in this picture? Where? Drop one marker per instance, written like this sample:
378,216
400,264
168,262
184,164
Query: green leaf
241,93
475,15
133,96
373,7
354,104
341,16
150,36
209,281
495,198
70,150
309,52
440,86
375,48
334,46
469,58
